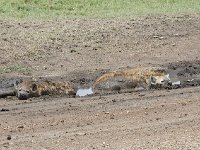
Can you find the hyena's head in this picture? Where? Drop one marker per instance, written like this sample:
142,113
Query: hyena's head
25,89
160,80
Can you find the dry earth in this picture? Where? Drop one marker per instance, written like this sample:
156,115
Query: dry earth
80,50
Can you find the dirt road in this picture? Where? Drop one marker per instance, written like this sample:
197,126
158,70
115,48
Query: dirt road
77,48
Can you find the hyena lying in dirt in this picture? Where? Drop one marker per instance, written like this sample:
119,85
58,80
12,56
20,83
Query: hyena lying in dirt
140,77
29,88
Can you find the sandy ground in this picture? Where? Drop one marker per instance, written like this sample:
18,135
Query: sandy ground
77,48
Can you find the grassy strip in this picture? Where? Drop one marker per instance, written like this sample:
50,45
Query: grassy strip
15,68
94,8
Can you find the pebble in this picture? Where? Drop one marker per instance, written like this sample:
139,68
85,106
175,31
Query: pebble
161,38
21,127
112,117
4,109
81,133
6,144
9,137
173,44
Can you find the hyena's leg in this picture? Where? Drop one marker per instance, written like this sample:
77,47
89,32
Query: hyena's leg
7,92
144,85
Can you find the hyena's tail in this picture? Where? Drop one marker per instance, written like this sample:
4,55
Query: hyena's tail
108,76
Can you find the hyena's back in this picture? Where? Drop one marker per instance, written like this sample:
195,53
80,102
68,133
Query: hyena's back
133,77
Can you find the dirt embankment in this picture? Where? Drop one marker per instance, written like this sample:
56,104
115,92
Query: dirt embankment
61,46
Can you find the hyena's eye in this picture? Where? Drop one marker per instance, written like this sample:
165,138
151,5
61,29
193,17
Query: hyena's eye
27,91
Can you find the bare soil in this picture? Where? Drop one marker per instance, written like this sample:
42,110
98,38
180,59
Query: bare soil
80,50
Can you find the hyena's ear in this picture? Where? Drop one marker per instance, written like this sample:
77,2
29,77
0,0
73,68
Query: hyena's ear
34,87
153,80
16,82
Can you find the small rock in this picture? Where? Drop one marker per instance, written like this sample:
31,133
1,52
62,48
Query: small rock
113,100
81,134
173,44
161,38
112,116
155,36
9,137
106,112
158,119
6,144
72,139
21,127
5,39
4,109
88,123
183,103
72,51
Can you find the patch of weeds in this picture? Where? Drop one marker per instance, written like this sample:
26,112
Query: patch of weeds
23,8
94,8
32,1
2,11
15,68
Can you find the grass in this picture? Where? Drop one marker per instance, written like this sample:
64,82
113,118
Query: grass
94,8
15,68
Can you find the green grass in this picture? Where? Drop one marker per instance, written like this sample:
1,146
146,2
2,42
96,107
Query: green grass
15,68
94,8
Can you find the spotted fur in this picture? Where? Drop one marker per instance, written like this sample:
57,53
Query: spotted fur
29,88
146,77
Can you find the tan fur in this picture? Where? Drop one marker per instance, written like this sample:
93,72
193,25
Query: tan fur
29,88
137,74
